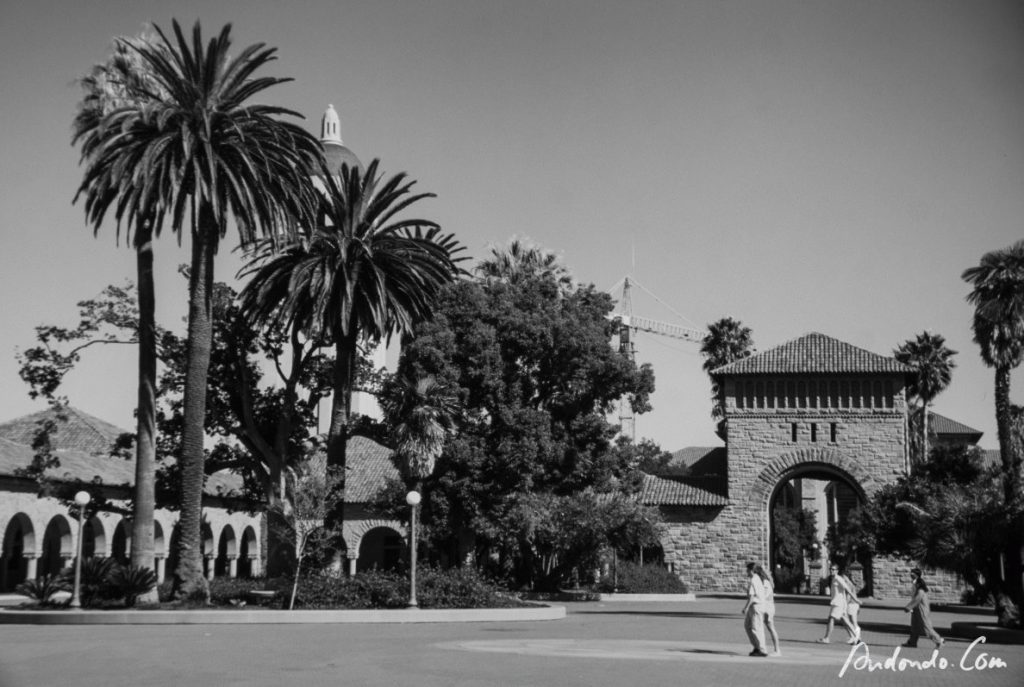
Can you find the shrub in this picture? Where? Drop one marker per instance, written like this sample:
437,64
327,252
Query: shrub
43,588
95,581
643,579
435,588
131,582
233,590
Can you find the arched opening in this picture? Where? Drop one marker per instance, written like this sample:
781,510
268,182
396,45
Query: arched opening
247,552
809,502
226,550
208,548
94,539
57,547
119,543
19,539
381,548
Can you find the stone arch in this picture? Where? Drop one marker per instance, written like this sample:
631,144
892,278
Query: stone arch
814,463
94,539
120,544
792,464
58,546
248,553
227,550
19,544
377,543
359,529
208,544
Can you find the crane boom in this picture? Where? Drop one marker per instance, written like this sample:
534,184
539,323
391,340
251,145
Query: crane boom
645,324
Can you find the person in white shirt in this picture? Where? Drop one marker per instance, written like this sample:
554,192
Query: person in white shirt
754,611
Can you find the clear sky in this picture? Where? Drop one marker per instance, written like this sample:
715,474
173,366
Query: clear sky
801,166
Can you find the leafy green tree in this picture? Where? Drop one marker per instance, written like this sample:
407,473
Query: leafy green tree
360,274
951,514
997,294
522,261
932,362
727,341
201,156
535,372
793,531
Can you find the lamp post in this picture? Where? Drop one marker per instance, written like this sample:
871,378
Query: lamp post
413,499
82,498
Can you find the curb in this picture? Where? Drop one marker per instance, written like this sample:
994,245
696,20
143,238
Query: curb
647,597
273,617
993,634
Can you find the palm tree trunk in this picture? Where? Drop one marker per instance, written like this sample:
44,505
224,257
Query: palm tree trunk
145,440
1011,482
189,581
345,351
924,432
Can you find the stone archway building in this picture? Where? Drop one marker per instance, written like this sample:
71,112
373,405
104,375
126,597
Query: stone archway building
814,405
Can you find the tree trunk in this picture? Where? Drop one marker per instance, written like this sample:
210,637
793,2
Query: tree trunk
1014,586
337,436
189,581
143,553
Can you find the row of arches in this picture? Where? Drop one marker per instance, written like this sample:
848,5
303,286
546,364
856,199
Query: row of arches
26,553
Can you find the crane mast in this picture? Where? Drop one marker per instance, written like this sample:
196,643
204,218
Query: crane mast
628,322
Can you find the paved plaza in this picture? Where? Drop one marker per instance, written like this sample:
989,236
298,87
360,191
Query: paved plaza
688,643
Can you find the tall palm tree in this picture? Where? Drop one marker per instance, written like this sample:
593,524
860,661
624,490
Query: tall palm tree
196,155
998,298
121,82
520,260
421,412
933,365
727,341
358,274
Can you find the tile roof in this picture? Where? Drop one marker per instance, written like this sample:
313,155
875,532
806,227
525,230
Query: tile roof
682,491
940,424
814,353
368,467
82,444
76,430
700,460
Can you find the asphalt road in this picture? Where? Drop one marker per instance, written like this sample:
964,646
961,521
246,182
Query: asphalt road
615,644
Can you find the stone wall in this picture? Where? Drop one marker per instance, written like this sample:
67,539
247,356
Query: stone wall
863,446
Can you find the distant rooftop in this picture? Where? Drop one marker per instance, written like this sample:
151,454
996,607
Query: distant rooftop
816,354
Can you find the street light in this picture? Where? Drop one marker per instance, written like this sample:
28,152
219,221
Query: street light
413,499
82,498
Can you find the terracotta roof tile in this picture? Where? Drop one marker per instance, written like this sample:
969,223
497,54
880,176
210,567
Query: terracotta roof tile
369,467
682,491
940,424
816,354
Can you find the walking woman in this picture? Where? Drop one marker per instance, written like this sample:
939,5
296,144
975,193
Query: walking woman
753,611
769,609
920,612
837,605
852,607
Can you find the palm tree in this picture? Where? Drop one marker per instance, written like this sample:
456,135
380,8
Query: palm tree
520,261
998,299
121,82
194,153
933,365
360,274
421,412
727,341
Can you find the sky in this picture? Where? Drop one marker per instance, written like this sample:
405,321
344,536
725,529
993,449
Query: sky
803,167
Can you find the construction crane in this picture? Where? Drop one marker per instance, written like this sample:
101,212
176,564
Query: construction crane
628,322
